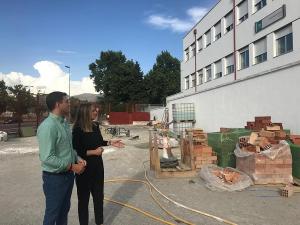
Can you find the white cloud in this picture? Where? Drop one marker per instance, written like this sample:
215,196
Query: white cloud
175,24
65,51
52,77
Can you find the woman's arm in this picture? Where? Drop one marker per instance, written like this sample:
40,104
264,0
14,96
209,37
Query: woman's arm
98,151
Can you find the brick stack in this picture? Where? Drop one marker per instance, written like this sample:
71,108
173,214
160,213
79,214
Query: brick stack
263,122
203,154
264,170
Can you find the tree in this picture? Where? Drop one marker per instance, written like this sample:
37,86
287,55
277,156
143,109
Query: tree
3,97
20,101
119,79
163,79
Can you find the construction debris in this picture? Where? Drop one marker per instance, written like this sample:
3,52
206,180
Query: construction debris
263,122
295,139
224,179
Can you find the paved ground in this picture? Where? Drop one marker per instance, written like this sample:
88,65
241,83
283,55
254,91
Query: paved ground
22,200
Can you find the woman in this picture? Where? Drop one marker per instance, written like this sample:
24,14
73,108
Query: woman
88,142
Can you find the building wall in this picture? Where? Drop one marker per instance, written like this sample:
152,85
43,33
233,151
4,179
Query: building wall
270,88
245,36
274,94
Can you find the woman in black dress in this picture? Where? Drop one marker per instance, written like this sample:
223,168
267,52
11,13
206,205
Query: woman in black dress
88,142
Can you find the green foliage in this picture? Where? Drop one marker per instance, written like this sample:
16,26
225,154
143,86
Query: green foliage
20,100
119,79
3,96
163,79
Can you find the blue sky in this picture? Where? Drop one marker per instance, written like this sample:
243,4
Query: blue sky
74,32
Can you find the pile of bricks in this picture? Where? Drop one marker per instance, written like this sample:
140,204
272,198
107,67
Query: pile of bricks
227,176
264,170
203,154
295,139
263,122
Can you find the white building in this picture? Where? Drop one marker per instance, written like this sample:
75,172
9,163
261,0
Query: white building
241,62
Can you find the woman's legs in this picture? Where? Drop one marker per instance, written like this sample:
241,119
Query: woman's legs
83,194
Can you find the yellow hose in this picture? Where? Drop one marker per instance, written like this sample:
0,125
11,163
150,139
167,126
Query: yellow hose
138,210
151,188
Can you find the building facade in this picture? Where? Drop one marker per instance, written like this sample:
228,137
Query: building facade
243,60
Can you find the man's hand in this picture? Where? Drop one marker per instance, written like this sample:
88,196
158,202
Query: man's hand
117,143
78,168
82,161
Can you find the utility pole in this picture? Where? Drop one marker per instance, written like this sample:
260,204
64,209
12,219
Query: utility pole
69,92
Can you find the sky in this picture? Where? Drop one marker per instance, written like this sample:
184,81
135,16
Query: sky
38,38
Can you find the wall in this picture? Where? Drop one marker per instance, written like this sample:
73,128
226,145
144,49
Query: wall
275,93
157,113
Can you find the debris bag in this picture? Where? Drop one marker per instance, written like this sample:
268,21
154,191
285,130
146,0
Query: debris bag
214,183
280,150
272,166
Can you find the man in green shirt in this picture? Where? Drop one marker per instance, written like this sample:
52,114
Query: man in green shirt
59,161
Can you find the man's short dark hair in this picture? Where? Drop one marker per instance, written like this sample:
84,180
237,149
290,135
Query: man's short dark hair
53,98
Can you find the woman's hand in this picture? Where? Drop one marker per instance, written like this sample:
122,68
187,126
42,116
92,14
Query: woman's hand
117,143
98,151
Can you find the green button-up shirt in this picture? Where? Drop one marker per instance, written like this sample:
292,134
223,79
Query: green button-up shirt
55,144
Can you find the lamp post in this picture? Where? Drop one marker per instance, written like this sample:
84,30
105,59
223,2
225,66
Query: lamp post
69,92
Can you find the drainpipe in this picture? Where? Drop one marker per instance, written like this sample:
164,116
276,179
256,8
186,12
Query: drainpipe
195,34
234,39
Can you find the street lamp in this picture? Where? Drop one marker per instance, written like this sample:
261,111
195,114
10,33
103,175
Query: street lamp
69,92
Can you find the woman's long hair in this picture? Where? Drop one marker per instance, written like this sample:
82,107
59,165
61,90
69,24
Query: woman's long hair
83,117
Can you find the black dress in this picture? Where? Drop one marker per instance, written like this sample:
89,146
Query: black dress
92,179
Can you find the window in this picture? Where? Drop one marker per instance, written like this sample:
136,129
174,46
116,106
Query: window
200,77
229,21
229,62
193,77
193,49
187,82
218,69
259,4
186,54
243,11
244,58
217,29
258,26
284,40
199,44
208,38
260,51
208,73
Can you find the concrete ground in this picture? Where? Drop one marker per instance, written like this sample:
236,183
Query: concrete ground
22,200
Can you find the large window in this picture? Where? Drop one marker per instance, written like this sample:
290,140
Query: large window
260,51
229,63
186,54
193,78
199,44
244,58
243,11
187,82
217,29
193,49
200,76
284,40
218,69
208,73
258,4
208,38
229,22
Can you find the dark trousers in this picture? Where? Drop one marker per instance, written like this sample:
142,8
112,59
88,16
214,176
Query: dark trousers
58,190
90,182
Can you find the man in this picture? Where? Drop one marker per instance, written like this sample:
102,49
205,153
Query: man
59,161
